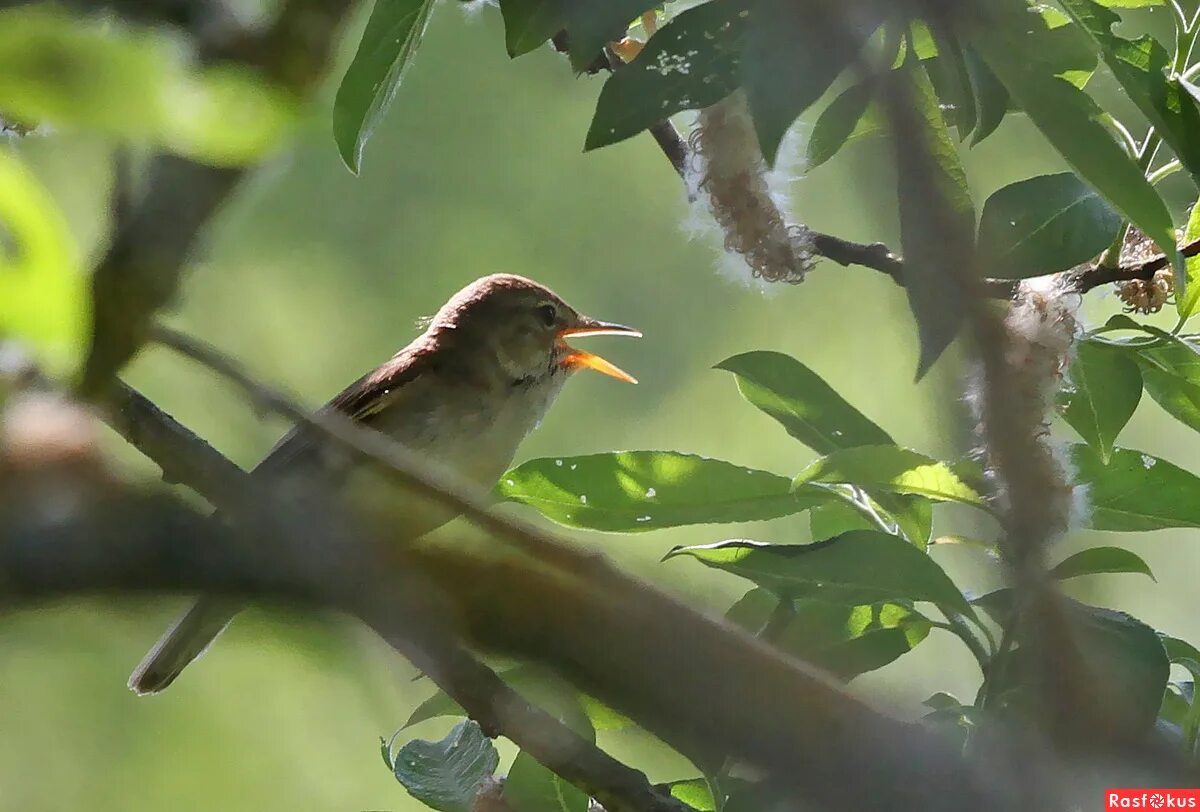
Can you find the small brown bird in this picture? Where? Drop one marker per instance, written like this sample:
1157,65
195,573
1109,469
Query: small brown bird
463,395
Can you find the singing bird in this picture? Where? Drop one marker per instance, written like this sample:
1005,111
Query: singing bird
463,395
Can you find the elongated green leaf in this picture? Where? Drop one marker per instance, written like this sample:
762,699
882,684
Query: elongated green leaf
1141,66
1136,491
1171,373
634,491
391,38
446,775
133,84
792,54
807,407
991,97
1044,225
891,468
1014,44
592,24
848,118
1186,304
858,567
695,793
530,787
43,292
1105,387
952,81
1182,653
689,64
1100,560
937,220
529,23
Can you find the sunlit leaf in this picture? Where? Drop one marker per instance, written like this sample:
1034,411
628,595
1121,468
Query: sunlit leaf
1044,225
387,46
695,793
1135,491
1100,560
633,491
530,787
137,85
1171,374
1186,305
44,301
858,567
1105,387
848,118
446,775
1014,44
690,63
891,468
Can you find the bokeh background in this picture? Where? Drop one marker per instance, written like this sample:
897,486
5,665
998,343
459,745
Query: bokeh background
312,275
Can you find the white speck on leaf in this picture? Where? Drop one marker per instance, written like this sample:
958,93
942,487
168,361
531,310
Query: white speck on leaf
651,493
1148,462
642,519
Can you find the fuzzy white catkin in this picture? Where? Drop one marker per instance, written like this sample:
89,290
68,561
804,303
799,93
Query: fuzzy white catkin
728,177
1041,327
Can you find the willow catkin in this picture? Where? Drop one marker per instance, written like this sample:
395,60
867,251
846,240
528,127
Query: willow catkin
728,173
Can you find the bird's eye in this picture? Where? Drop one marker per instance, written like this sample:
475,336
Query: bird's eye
547,315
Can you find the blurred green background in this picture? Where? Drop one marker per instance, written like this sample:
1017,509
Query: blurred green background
311,276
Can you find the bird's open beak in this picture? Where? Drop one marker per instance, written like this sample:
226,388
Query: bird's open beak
576,359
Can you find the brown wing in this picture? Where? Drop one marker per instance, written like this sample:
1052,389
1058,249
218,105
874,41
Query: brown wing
361,401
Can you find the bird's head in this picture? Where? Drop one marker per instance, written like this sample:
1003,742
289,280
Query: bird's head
523,327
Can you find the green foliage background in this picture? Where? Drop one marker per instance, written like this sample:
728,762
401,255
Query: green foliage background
313,275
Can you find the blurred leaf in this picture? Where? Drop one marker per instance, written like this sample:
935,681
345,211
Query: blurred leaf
858,567
591,25
695,793
991,97
848,118
1136,491
44,301
851,640
1142,68
135,85
690,63
1100,560
530,787
793,52
1015,45
1131,3
1044,225
942,700
634,491
1182,653
391,38
446,775
937,219
891,468
751,611
952,81
529,23
1171,374
1105,387
807,407
1186,305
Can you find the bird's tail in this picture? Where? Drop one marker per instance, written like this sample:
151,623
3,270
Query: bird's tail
186,640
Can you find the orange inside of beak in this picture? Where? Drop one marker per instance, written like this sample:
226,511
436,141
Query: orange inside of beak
577,359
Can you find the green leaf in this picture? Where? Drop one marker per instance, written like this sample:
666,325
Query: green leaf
937,221
1100,560
1171,374
850,640
1135,491
446,775
137,85
1142,67
387,46
1044,225
991,97
1186,304
529,23
695,793
891,468
690,63
530,787
1182,653
1014,43
858,567
591,25
1105,387
634,491
848,118
952,81
791,55
44,301
800,400
826,521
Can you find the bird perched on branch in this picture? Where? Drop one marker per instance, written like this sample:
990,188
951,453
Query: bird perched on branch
463,395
